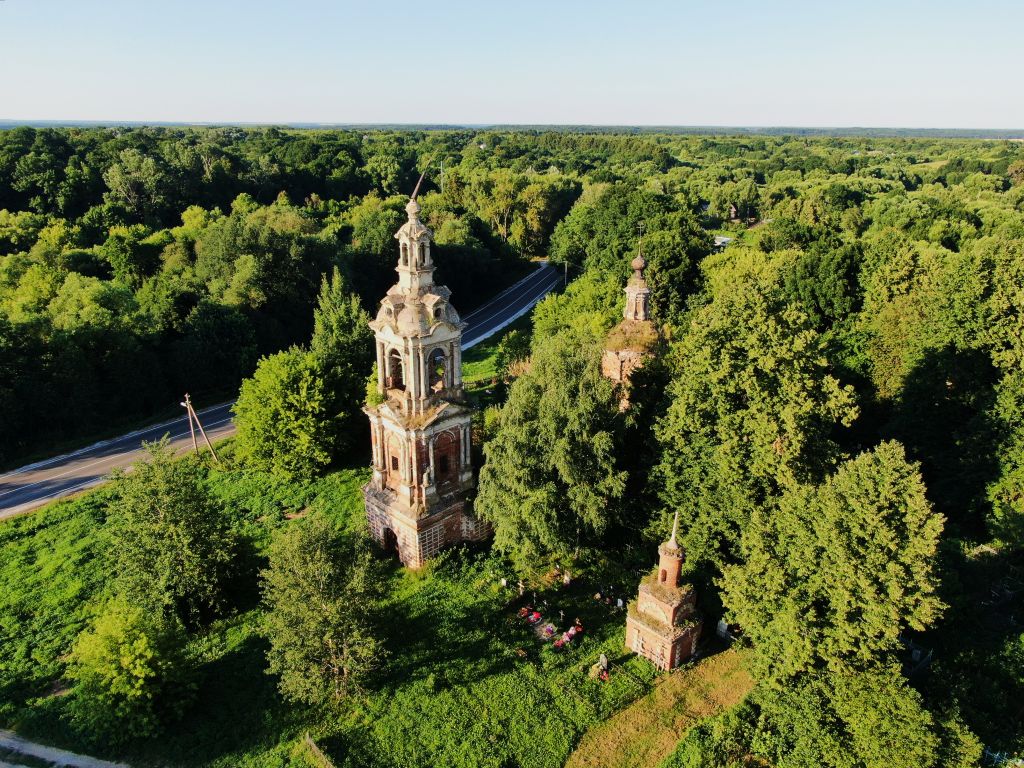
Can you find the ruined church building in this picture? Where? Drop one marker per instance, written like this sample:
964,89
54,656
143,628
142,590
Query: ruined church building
419,498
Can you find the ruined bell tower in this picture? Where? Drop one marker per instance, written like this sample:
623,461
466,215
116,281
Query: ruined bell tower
419,498
631,342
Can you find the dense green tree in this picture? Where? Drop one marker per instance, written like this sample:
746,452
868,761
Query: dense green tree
130,675
168,541
87,302
130,260
752,409
217,348
551,485
19,230
285,416
543,203
390,164
513,348
823,282
343,344
137,182
341,331
320,591
831,575
848,720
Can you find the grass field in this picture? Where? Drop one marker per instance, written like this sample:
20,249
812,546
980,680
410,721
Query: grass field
646,732
467,683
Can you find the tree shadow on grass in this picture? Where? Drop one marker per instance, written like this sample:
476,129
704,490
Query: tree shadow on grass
444,628
237,709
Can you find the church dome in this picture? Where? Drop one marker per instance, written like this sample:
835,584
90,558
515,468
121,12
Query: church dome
413,318
638,263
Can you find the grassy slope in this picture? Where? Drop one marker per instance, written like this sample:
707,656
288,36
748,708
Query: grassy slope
49,573
478,363
647,731
467,683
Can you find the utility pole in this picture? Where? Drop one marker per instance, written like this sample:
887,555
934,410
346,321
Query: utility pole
192,415
187,405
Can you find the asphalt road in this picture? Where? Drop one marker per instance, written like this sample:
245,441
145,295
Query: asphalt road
32,486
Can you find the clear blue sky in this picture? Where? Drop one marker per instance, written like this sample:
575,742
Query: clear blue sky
825,63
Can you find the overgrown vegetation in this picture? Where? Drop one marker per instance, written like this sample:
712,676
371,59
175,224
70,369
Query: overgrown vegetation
834,409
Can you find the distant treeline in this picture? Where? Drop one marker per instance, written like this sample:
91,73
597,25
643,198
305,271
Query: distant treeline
674,130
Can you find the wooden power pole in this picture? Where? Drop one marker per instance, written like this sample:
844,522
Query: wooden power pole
194,417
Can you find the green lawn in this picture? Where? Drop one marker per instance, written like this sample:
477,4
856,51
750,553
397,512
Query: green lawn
466,684
478,363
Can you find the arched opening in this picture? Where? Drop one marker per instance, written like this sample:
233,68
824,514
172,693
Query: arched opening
390,541
404,261
446,459
664,575
395,379
437,368
423,254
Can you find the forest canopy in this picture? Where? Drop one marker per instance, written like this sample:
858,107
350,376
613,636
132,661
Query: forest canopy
834,407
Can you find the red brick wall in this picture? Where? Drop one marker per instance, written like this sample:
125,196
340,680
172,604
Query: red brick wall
660,649
392,455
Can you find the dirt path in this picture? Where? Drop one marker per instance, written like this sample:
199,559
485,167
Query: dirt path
14,743
646,732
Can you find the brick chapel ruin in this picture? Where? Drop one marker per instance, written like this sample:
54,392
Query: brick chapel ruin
419,498
630,343
663,624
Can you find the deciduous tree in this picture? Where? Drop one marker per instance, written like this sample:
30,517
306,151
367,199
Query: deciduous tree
130,675
752,410
832,575
320,591
168,541
285,416
552,484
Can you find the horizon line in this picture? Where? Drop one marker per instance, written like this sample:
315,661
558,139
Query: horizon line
851,131
493,124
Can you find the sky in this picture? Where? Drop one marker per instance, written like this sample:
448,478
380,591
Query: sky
829,63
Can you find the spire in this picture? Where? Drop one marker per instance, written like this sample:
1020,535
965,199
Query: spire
637,292
415,266
639,262
416,189
670,557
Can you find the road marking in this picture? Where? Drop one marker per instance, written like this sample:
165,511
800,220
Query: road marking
539,270
508,302
27,506
100,461
474,340
110,441
546,289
